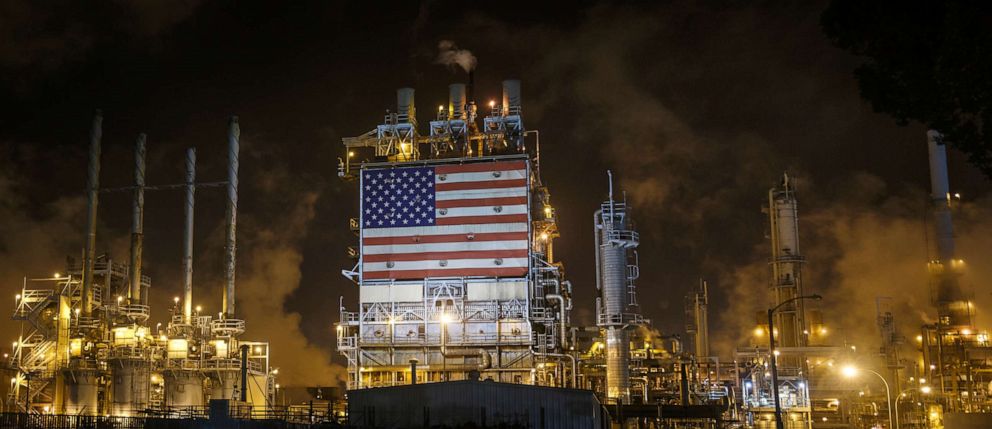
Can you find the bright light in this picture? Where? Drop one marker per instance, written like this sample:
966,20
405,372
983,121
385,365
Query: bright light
275,371
57,275
492,104
926,390
966,332
351,154
923,381
175,299
957,195
76,311
544,236
277,386
258,349
199,309
445,318
823,331
759,332
776,352
802,385
849,371
440,108
119,299
919,338
17,297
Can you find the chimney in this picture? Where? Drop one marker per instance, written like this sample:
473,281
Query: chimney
137,220
233,140
188,236
456,101
92,200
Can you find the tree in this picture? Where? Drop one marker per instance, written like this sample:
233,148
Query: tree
924,61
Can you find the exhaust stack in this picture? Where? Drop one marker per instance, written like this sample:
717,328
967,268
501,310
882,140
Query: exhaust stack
511,97
188,236
137,220
456,101
952,304
404,105
233,140
92,201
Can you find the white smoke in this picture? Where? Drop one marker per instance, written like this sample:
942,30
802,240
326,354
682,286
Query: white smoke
448,54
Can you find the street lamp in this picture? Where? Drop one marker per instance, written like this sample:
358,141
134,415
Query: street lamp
774,359
922,389
851,372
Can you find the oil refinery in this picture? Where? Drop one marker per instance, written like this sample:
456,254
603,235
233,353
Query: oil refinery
463,304
87,346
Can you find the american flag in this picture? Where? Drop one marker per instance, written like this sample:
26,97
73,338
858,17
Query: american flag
445,221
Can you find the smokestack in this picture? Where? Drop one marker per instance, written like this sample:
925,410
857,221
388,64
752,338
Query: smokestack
511,97
470,88
456,101
940,195
188,236
405,106
92,200
137,219
233,140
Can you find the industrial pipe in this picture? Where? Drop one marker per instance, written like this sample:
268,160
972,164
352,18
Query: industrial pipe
561,311
92,200
137,220
233,140
188,236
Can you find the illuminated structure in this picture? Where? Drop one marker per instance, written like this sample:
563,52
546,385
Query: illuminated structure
616,306
956,356
87,347
474,287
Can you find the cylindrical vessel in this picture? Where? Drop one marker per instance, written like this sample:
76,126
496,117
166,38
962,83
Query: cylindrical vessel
222,384
130,388
511,97
787,225
617,365
456,101
234,148
613,263
137,219
183,389
188,236
92,201
940,193
82,392
404,105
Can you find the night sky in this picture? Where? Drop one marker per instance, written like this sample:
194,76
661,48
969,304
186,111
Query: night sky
697,108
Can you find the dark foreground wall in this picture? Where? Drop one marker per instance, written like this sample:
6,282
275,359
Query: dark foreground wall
474,404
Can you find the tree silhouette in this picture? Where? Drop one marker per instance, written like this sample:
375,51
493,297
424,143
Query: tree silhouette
925,61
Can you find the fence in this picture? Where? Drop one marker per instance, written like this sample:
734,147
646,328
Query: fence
57,421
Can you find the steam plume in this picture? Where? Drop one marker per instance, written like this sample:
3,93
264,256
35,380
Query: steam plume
449,55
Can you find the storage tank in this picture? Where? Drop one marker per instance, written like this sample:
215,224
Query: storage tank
130,386
82,388
183,388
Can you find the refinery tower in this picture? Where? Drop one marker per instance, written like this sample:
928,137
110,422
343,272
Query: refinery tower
87,346
455,264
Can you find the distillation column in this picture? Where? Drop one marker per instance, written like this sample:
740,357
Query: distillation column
950,299
616,304
787,263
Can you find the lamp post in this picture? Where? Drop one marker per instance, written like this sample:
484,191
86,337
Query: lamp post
850,371
771,354
922,389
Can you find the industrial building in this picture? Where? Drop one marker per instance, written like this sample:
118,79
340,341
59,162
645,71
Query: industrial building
87,345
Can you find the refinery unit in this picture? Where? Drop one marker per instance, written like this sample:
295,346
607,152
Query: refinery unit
420,320
459,289
87,346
